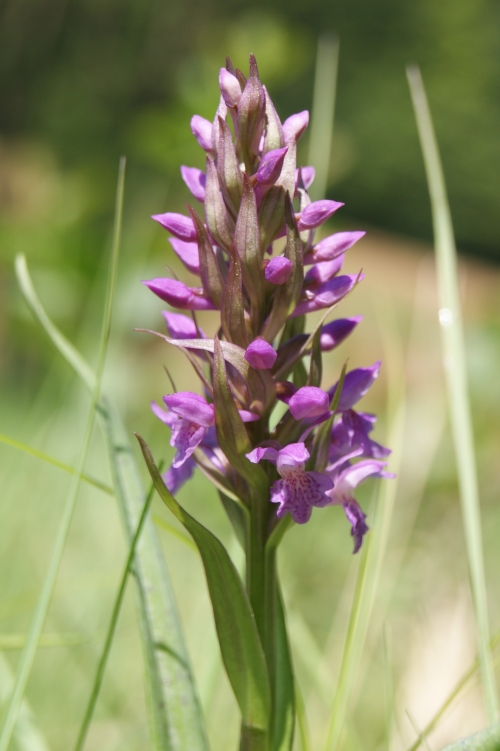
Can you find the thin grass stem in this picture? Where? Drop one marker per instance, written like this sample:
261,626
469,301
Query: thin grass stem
40,614
323,111
8,441
112,624
455,367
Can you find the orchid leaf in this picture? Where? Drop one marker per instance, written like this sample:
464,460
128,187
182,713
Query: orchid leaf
215,209
284,694
239,641
233,311
316,367
485,740
209,268
248,246
229,173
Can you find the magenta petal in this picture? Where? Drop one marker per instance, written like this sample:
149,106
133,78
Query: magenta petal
192,407
180,326
356,519
298,492
294,126
317,213
260,453
308,174
247,416
202,131
323,272
186,437
335,332
328,294
356,384
260,355
332,246
195,180
309,401
278,270
175,477
179,225
188,253
230,88
270,166
178,295
169,418
293,455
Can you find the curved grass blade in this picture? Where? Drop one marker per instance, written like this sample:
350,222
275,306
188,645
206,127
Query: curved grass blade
27,735
486,740
112,625
455,367
40,614
284,689
239,642
52,460
174,714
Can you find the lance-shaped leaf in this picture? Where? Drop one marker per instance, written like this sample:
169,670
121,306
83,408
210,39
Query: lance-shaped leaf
485,740
287,294
248,246
287,353
211,278
251,116
239,641
260,383
231,432
316,366
233,311
228,171
274,130
215,208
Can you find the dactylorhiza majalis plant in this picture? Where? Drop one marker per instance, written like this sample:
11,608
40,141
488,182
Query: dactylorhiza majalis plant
252,194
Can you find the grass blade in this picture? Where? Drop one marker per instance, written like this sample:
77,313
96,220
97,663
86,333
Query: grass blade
323,109
27,735
112,625
40,614
455,366
174,713
55,462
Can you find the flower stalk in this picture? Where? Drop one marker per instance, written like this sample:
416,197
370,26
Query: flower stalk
255,259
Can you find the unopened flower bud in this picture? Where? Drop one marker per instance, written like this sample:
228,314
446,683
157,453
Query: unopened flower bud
195,180
294,126
317,213
179,225
278,270
309,401
260,355
202,131
230,88
270,166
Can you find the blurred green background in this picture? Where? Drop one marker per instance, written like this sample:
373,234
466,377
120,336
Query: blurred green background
83,82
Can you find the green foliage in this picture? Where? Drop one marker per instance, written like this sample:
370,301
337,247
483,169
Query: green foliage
486,740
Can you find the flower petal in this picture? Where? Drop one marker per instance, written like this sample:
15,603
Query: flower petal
177,224
195,180
260,355
309,401
278,270
192,407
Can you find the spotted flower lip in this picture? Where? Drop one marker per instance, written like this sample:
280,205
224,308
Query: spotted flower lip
309,401
188,253
179,295
202,131
260,355
196,181
298,491
317,213
278,270
178,225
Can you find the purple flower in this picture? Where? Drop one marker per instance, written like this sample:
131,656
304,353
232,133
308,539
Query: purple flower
270,166
195,180
356,384
298,491
180,326
309,401
336,331
179,225
294,126
307,174
316,213
179,295
350,436
230,88
332,246
329,293
175,477
193,416
278,270
202,131
260,355
323,272
188,253
345,481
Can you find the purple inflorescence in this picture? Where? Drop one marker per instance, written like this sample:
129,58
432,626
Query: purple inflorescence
253,194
